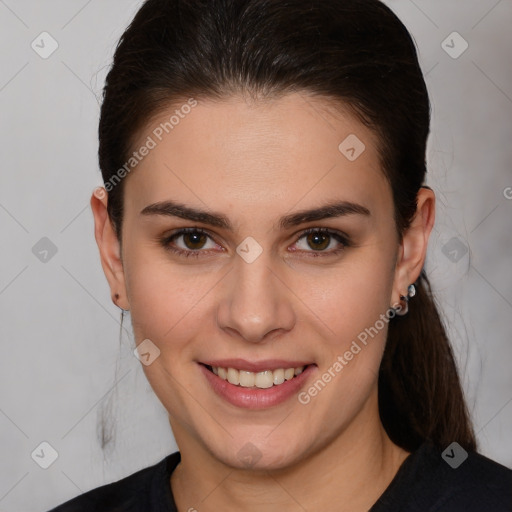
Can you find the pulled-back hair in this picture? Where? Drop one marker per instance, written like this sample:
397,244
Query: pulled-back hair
354,53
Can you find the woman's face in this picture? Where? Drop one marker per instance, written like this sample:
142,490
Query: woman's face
252,287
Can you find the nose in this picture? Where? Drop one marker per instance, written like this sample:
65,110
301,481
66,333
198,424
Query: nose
256,302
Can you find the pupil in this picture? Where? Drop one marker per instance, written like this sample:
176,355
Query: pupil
319,236
196,239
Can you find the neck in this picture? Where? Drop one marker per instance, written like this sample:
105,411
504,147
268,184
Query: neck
357,465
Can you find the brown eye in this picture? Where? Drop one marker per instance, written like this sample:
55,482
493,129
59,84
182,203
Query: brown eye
188,242
318,240
194,240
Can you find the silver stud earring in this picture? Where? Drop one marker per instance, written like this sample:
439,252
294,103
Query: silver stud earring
411,292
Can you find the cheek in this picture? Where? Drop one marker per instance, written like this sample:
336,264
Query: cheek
171,305
354,296
158,295
354,306
355,312
151,300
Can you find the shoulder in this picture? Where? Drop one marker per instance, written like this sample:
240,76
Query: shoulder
131,493
450,480
479,483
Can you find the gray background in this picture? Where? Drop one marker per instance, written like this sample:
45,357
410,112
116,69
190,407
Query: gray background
62,364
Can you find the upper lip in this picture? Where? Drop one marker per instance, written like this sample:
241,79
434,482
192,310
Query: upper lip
259,366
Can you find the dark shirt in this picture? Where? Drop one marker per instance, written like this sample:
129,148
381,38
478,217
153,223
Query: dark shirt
425,482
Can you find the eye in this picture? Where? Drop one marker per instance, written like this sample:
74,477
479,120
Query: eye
320,239
195,239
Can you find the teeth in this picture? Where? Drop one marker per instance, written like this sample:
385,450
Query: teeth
233,376
263,380
278,376
289,373
246,378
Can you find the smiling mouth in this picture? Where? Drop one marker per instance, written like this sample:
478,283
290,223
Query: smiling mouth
263,380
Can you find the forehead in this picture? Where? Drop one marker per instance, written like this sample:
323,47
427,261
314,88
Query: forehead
265,155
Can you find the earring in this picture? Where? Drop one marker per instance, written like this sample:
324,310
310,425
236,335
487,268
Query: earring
411,292
116,297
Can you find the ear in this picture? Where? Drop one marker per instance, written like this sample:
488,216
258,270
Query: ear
413,249
110,248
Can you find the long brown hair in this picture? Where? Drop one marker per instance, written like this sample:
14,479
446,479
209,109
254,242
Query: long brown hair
356,53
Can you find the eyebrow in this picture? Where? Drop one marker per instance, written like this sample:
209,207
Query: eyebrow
327,211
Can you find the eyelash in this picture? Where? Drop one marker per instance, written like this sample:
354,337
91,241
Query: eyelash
165,242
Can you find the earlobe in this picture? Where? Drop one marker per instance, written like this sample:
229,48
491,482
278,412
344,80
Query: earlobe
109,247
413,249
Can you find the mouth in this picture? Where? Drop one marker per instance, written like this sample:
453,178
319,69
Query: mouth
257,385
264,379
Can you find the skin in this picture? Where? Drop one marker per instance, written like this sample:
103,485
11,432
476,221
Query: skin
255,162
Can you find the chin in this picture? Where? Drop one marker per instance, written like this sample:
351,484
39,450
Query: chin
263,455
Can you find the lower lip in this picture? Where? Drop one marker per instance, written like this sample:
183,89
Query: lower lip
256,398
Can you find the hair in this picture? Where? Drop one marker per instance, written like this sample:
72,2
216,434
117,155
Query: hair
355,54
